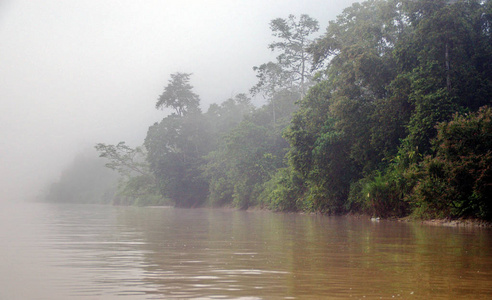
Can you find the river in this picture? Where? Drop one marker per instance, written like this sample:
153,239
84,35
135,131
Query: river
52,251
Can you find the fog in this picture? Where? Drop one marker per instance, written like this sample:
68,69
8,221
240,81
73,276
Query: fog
74,73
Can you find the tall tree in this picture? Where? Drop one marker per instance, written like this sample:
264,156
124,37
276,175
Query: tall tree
293,65
176,148
179,95
293,44
292,69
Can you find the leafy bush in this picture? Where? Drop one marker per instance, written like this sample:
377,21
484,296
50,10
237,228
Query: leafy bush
457,181
384,194
283,191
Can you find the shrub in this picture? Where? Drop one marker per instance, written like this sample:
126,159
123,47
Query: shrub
384,194
457,180
282,193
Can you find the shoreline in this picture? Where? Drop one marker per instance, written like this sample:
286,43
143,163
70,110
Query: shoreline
445,222
463,223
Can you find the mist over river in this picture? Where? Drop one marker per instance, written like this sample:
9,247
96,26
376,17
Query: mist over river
52,251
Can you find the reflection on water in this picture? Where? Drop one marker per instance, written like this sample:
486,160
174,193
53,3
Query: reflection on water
99,252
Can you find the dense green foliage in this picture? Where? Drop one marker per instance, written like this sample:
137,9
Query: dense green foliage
394,69
386,113
176,148
457,180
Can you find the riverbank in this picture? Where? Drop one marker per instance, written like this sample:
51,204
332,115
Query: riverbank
470,223
455,223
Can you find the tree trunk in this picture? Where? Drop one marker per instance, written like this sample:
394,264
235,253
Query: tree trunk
448,77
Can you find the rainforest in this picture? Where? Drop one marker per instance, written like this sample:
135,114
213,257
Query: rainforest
386,112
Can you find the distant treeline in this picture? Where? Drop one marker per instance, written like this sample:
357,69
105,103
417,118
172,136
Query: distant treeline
387,113
86,180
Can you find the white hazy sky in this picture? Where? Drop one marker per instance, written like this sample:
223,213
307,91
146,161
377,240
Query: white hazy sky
77,72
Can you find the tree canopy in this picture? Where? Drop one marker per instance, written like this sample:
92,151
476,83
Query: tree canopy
293,65
179,95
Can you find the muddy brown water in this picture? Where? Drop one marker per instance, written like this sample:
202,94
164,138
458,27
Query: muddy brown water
52,251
